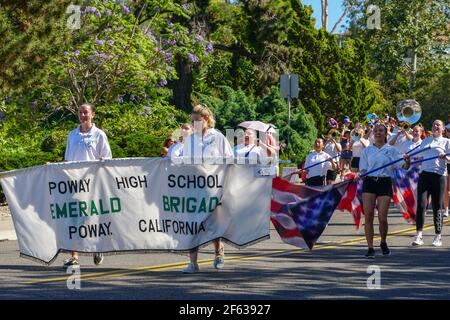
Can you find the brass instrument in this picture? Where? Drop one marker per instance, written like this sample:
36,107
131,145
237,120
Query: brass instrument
333,134
408,113
356,134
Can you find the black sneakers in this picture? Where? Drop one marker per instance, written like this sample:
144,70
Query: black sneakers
370,253
385,249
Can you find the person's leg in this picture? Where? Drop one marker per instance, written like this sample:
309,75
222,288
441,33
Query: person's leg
219,259
383,208
368,200
437,196
447,196
193,265
422,201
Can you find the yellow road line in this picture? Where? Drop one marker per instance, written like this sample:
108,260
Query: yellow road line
179,265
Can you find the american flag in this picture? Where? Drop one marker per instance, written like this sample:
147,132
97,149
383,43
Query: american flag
300,214
352,199
405,191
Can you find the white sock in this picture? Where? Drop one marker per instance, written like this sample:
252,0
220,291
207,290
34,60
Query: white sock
419,233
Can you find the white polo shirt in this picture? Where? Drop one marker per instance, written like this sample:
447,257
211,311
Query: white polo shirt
437,146
373,158
409,145
358,147
212,145
321,169
251,152
401,139
91,145
332,150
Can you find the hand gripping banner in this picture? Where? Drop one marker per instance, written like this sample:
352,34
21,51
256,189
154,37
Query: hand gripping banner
147,204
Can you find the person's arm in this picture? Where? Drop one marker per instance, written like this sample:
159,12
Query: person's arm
338,145
364,142
104,150
333,164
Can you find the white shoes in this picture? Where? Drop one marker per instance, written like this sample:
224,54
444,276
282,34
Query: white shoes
191,268
418,241
446,213
437,242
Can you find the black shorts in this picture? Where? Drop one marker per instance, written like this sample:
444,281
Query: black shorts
355,163
316,181
346,154
331,175
381,186
448,168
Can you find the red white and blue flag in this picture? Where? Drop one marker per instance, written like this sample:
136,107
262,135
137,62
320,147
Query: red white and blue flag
352,199
300,214
405,191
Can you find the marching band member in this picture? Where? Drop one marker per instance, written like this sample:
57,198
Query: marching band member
418,134
357,148
377,188
432,180
399,137
316,175
333,148
86,143
210,143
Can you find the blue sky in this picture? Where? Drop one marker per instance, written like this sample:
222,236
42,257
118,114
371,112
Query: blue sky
334,12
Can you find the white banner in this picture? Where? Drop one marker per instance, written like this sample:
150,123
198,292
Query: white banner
135,204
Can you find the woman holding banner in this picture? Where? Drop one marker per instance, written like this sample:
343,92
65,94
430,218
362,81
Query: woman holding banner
206,143
86,143
432,180
377,169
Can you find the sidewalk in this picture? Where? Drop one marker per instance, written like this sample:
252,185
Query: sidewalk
6,225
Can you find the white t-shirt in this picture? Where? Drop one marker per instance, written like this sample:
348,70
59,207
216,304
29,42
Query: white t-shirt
321,169
409,145
373,158
438,146
212,146
91,145
331,149
401,140
358,147
251,152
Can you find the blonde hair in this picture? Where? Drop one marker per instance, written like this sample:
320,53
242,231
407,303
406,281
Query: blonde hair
204,111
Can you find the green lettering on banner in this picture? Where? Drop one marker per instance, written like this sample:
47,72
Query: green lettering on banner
202,208
52,210
113,208
61,212
211,206
166,203
72,209
191,209
82,208
174,202
93,208
102,211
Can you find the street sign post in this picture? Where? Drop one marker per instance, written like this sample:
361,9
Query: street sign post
289,90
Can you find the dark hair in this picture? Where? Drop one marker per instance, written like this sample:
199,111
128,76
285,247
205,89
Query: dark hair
88,105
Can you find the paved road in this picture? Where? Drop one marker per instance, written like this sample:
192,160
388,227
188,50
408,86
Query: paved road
267,270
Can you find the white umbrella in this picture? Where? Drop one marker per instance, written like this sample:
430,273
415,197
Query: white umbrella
258,126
